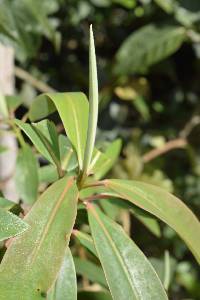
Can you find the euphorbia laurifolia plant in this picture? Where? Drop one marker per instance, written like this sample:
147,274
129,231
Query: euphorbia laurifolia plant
38,262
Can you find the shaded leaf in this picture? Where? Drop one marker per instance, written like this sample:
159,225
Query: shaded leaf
6,204
13,102
90,270
48,174
30,263
46,145
152,43
67,155
163,205
26,175
128,272
147,220
86,240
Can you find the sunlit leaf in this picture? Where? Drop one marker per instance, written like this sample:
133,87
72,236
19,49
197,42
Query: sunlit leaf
65,287
73,110
128,272
33,260
10,225
163,205
94,104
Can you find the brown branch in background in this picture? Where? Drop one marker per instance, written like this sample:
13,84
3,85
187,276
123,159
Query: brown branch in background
174,144
39,85
193,122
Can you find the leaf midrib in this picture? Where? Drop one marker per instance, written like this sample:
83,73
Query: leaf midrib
118,254
50,221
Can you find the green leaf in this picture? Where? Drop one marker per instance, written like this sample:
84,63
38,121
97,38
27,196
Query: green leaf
163,205
160,268
102,162
83,295
147,220
90,270
68,156
93,107
26,175
128,272
167,5
65,287
43,136
86,241
13,102
47,131
73,110
48,174
98,164
10,225
151,44
33,260
22,27
6,204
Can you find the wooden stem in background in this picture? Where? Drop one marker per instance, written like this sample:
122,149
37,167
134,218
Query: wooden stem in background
7,139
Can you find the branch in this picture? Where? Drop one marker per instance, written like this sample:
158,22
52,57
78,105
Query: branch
174,144
39,85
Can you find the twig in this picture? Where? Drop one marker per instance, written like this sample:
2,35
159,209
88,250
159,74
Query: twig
174,144
193,122
39,85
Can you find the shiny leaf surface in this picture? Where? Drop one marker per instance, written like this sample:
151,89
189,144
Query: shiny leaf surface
73,110
30,265
127,270
163,205
10,225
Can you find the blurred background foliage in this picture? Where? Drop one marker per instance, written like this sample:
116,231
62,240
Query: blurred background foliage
148,54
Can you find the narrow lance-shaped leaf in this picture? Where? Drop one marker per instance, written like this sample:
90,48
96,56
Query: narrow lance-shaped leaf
26,175
73,110
33,260
43,136
93,104
148,220
127,270
65,287
86,240
90,270
10,225
6,204
163,205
